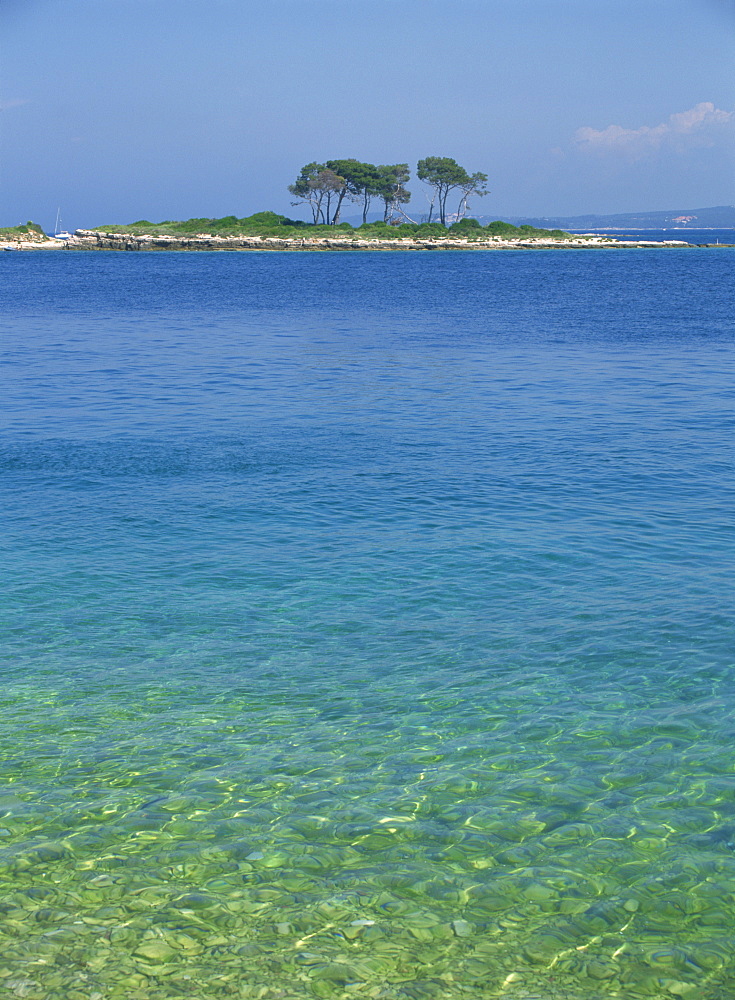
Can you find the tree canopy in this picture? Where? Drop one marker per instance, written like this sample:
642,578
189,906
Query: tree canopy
318,185
360,181
325,186
392,189
443,175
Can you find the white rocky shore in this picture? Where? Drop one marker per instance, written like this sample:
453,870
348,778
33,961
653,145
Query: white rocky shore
95,240
91,239
31,241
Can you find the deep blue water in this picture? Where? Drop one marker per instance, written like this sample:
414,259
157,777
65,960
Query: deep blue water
369,625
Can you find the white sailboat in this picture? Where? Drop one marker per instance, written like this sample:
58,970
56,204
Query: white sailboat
60,234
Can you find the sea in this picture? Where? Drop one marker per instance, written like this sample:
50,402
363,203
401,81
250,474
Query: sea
368,625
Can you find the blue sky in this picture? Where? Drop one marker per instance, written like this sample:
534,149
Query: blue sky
118,110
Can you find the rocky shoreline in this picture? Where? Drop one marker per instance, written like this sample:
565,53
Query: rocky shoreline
89,239
30,241
94,240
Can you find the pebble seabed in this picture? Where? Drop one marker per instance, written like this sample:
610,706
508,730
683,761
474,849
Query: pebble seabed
335,863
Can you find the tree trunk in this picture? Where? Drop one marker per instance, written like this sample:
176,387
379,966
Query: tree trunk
335,217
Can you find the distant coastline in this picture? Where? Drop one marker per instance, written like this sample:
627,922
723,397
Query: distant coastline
717,217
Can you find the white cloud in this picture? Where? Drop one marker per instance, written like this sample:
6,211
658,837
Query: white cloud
13,103
699,126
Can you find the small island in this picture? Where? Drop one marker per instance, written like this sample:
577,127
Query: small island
325,188
269,231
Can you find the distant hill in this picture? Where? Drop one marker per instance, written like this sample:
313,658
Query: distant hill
722,217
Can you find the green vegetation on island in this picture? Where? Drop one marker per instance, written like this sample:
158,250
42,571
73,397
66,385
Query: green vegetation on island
29,229
272,224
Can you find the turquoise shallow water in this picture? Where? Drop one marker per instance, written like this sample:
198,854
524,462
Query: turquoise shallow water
368,626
